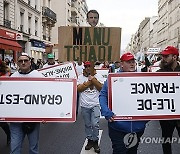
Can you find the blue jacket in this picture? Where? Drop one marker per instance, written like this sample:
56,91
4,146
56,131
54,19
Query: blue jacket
124,126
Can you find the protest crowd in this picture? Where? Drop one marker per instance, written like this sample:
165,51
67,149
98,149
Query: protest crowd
93,83
92,97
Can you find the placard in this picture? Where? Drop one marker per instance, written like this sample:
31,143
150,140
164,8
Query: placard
144,96
153,68
38,99
89,43
66,70
103,73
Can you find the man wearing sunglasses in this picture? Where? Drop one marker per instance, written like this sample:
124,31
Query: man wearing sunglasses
89,86
17,128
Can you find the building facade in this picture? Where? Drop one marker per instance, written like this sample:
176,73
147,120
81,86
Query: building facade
160,31
28,15
69,13
9,47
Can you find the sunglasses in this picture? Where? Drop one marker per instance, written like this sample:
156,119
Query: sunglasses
23,60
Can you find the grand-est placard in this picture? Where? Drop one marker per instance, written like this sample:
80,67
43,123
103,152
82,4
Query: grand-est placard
89,43
38,99
144,96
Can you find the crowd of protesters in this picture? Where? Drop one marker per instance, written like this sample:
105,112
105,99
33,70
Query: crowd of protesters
93,98
88,81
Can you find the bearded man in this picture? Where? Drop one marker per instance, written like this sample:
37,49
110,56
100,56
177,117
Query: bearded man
169,63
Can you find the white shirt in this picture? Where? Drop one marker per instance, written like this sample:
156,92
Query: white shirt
33,73
47,65
89,98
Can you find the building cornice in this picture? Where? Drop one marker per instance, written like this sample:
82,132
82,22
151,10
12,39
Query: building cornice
29,7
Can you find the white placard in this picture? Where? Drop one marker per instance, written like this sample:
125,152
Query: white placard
38,99
153,68
143,96
66,70
103,73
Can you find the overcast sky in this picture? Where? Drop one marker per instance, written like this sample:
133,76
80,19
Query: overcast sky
126,14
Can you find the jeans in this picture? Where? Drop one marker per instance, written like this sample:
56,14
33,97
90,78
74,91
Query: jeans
17,137
91,118
117,139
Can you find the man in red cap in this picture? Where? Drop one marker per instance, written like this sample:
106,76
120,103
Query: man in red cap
128,62
169,59
121,131
169,63
89,86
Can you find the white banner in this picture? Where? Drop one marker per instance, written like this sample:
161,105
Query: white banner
38,99
142,96
66,70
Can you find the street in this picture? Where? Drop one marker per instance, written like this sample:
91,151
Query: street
69,138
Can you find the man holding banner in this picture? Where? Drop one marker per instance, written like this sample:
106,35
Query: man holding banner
169,63
19,130
124,135
88,88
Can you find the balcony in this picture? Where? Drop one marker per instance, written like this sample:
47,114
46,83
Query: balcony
73,9
74,20
7,23
49,14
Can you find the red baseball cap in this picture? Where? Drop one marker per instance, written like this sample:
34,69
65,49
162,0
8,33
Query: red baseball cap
170,50
127,56
87,63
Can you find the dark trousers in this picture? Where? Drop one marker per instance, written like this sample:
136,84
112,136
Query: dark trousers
5,127
117,139
167,127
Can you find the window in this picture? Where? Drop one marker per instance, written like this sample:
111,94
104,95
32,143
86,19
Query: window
7,22
29,24
6,10
21,21
36,4
36,27
44,32
49,3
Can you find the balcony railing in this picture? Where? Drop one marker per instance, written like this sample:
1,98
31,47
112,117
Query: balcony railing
7,23
74,20
47,12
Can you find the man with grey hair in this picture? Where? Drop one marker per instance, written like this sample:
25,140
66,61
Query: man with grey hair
19,129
